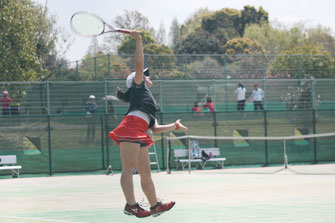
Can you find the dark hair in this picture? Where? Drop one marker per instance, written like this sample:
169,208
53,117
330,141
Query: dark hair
209,99
196,104
123,96
240,85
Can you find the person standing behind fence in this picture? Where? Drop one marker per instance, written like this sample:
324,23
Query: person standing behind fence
91,109
240,93
6,100
258,95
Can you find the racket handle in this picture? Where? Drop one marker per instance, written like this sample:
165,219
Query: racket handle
124,31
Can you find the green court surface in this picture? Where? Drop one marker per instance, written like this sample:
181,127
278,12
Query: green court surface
201,196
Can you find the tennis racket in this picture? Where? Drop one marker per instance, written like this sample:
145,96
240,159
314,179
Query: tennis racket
91,25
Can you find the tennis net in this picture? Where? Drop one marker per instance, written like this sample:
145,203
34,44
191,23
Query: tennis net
298,154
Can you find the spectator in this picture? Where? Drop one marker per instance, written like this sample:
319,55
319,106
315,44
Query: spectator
91,109
240,92
258,95
6,100
196,109
209,106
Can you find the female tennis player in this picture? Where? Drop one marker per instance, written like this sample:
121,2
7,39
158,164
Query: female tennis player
133,140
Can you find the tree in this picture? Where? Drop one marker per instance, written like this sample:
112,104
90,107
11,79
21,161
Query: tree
304,62
159,57
174,35
273,40
216,28
128,44
19,59
96,68
193,23
161,34
250,15
226,18
128,20
243,46
201,42
28,41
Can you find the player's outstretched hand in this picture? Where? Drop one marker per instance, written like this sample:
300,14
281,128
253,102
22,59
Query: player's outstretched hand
181,126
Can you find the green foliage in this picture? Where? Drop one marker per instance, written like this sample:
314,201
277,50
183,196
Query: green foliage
28,41
250,15
128,44
201,42
158,57
19,59
217,28
175,37
205,68
193,23
309,61
243,46
225,18
96,68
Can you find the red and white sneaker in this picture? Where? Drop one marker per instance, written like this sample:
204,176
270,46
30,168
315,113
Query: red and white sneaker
136,210
160,208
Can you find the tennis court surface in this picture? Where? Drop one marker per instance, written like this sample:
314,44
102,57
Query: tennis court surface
202,196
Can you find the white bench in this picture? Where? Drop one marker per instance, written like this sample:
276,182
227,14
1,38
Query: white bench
181,156
8,163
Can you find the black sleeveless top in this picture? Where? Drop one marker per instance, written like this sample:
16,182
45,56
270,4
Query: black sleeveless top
142,99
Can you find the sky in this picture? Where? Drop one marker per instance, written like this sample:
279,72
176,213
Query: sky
312,12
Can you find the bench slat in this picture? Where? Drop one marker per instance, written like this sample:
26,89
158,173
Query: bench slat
10,167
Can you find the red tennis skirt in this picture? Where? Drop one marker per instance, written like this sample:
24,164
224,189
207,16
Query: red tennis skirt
132,129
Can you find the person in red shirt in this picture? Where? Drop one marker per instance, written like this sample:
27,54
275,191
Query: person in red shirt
196,109
6,100
209,106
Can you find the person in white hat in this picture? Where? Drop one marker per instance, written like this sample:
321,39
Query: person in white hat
91,109
131,135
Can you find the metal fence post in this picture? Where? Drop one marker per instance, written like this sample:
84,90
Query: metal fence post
77,70
187,84
299,67
263,67
109,67
48,97
161,96
95,68
315,139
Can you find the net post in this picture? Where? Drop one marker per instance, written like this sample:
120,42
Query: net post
168,156
102,142
314,139
49,144
285,154
189,155
266,141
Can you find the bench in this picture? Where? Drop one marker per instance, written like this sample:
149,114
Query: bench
8,163
181,156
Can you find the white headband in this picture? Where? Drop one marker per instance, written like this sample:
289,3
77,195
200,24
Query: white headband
130,79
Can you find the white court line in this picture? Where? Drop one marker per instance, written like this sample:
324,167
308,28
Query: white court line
37,219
